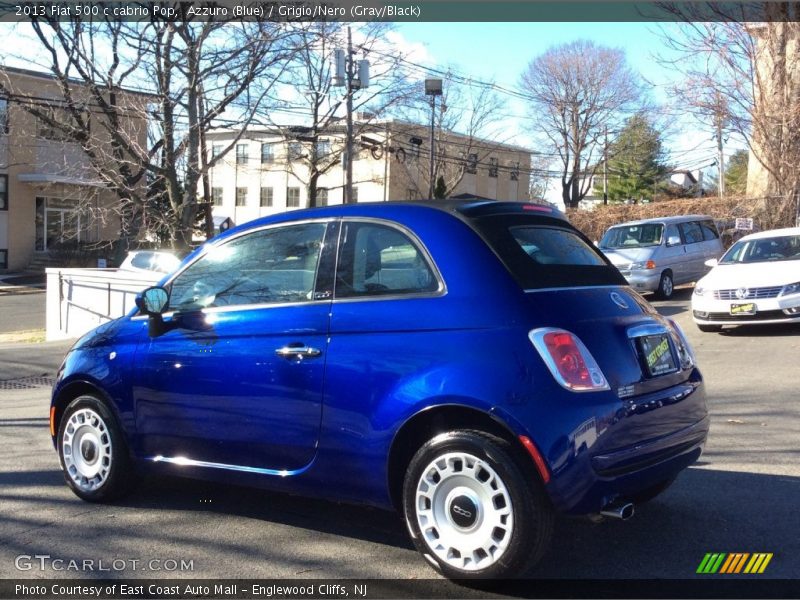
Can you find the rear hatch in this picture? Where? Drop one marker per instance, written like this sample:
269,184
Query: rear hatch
571,285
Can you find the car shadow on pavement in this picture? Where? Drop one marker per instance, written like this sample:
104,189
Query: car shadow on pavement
706,510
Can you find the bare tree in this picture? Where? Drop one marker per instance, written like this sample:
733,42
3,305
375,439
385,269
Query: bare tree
577,92
178,79
318,140
744,73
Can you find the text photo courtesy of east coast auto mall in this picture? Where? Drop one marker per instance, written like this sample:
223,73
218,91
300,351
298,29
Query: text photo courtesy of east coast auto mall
434,299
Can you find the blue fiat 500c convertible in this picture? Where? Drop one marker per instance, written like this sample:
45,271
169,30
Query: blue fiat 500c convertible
479,366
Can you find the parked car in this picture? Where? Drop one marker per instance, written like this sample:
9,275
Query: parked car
477,365
756,281
150,260
655,255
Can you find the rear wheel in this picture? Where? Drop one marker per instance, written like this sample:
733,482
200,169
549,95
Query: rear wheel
472,511
710,328
666,286
93,452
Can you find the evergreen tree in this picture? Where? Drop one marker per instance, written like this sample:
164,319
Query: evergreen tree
440,191
736,173
637,164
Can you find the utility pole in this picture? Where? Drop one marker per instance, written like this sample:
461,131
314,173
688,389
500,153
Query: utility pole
721,156
345,75
348,177
605,168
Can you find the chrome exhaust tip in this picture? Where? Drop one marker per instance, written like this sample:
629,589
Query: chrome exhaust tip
622,511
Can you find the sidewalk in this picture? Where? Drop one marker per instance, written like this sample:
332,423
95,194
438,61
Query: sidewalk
22,283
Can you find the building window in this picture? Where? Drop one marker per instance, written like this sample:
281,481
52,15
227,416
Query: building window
472,163
322,149
3,192
492,167
295,150
322,196
412,194
293,197
267,153
51,132
355,194
3,115
3,259
216,196
266,197
241,154
515,171
241,196
216,150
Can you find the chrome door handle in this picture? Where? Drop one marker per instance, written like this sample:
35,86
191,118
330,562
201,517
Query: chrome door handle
298,352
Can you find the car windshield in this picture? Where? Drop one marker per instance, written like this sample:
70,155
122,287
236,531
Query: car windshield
633,236
768,249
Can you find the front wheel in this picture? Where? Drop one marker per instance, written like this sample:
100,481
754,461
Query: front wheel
93,452
472,511
666,286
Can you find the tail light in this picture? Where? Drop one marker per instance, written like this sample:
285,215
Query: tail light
568,360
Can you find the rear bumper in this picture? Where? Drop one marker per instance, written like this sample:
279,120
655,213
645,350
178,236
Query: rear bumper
633,453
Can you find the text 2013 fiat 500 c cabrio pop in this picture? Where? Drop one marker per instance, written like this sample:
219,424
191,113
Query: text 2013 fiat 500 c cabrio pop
478,365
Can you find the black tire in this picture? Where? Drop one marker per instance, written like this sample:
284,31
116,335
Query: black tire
648,494
531,518
710,328
102,447
666,286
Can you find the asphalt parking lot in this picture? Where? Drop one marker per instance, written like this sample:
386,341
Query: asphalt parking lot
741,497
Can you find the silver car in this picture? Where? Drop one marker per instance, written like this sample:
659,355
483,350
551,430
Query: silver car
655,255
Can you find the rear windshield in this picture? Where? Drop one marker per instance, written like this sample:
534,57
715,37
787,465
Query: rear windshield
633,236
545,253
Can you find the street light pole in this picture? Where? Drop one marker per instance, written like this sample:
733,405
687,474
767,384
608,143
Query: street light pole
433,88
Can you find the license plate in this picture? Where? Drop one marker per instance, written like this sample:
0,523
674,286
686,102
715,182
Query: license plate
657,354
743,309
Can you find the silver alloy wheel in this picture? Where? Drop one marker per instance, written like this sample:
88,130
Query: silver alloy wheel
86,447
464,511
666,285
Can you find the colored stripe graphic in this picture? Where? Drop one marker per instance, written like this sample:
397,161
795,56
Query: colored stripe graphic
734,563
711,562
758,563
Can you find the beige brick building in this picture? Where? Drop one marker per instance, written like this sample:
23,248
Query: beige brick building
267,170
50,195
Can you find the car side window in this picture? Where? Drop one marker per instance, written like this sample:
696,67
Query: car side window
709,231
378,260
672,233
692,233
269,266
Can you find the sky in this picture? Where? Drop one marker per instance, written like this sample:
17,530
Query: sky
502,51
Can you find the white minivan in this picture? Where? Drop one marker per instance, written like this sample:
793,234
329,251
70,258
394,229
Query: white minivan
655,255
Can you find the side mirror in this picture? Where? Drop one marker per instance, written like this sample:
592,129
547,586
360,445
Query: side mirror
674,240
712,262
153,301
